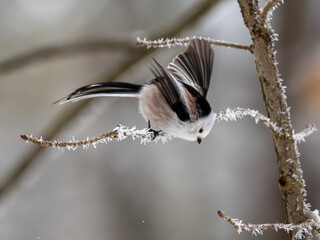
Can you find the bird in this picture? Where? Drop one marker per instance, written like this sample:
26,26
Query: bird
174,99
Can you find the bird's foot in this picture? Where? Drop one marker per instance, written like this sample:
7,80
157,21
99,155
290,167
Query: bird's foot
155,133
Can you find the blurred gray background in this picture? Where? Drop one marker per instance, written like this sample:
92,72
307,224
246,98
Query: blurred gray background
158,191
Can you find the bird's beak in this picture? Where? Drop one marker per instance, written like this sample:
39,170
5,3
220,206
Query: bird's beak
199,140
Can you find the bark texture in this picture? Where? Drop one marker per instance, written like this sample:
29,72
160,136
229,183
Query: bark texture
291,182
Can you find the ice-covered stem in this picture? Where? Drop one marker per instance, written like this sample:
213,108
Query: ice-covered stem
291,182
172,42
145,135
119,133
300,230
314,215
266,12
234,113
301,136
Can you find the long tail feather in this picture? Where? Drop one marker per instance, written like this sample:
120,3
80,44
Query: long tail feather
106,89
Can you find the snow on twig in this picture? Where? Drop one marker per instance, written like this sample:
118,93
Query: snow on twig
300,230
301,136
234,113
266,14
145,135
119,133
172,42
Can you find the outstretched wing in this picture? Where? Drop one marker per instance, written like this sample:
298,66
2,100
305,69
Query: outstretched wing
194,65
171,91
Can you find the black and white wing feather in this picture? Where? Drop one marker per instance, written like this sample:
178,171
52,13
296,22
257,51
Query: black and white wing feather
171,90
106,89
194,65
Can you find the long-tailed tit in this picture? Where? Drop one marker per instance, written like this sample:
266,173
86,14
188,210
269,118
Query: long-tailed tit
175,99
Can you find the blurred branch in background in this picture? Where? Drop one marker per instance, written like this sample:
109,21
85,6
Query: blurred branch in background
30,158
63,50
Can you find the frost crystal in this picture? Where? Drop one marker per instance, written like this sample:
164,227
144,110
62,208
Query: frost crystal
233,114
119,133
301,230
289,160
172,42
301,137
145,135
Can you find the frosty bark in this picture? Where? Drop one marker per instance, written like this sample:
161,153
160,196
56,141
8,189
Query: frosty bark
291,183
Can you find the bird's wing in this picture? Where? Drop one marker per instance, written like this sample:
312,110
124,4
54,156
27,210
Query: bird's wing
194,65
171,91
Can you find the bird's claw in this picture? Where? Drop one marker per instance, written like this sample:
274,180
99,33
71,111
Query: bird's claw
155,133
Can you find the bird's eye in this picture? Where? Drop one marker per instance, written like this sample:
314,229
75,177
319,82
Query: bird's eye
201,130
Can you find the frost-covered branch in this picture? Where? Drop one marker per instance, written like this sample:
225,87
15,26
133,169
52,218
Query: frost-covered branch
234,113
119,133
267,11
301,136
145,135
300,230
184,41
291,182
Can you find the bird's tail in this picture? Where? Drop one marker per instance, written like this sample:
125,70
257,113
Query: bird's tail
106,89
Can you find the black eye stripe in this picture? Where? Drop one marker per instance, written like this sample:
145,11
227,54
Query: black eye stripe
201,130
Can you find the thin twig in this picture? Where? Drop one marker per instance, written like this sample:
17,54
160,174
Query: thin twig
63,50
314,215
267,11
119,133
234,113
184,41
301,136
257,229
